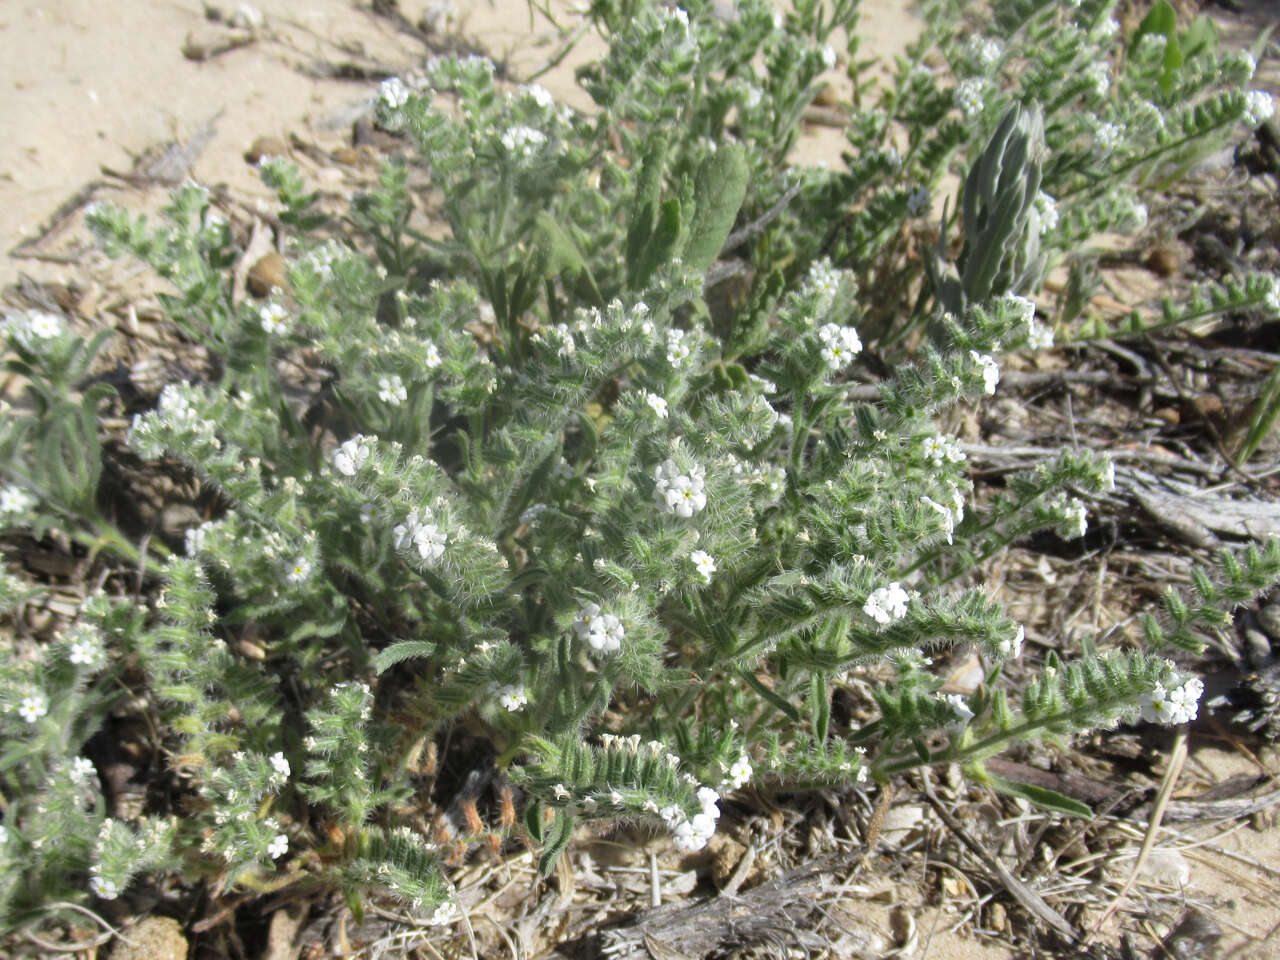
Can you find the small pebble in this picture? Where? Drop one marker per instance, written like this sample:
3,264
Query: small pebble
1269,621
267,274
265,147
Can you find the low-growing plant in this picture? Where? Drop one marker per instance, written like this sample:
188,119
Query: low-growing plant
524,479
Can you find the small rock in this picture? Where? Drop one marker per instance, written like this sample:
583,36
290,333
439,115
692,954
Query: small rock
347,156
1169,415
1257,649
267,274
265,147
1269,621
1163,261
826,96
154,938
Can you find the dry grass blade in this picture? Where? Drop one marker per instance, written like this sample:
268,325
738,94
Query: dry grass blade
1029,899
1176,761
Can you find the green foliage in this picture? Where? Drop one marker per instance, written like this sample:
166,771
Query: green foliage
532,478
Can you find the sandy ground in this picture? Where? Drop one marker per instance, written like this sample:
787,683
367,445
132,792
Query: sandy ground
82,88
86,86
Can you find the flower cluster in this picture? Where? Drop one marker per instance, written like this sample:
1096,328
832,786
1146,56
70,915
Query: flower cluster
887,604
603,632
839,345
15,503
352,455
391,390
1173,705
692,833
419,532
682,494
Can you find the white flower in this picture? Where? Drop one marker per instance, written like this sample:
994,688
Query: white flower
985,52
34,707
658,404
708,800
352,455
990,371
1011,647
194,538
1074,521
280,765
81,770
970,95
671,813
938,448
432,359
704,563
1100,77
960,706
739,772
677,493
692,835
393,93
14,502
278,846
887,604
444,914
1039,336
1179,705
41,326
512,699
427,538
824,280
391,390
4,835
918,201
948,518
84,647
539,95
1108,30
751,96
1047,207
1023,308
677,349
1107,136
828,56
274,318
523,141
839,345
1259,107
602,631
1136,213
103,889
299,571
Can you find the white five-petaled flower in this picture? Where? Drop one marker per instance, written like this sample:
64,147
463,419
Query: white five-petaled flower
43,326
14,501
677,348
839,345
392,390
739,773
990,371
103,888
274,318
948,518
985,52
32,708
512,698
280,765
84,647
887,604
299,571
278,846
539,95
81,770
704,563
1259,107
939,448
432,359
351,456
682,494
657,404
1178,705
603,632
